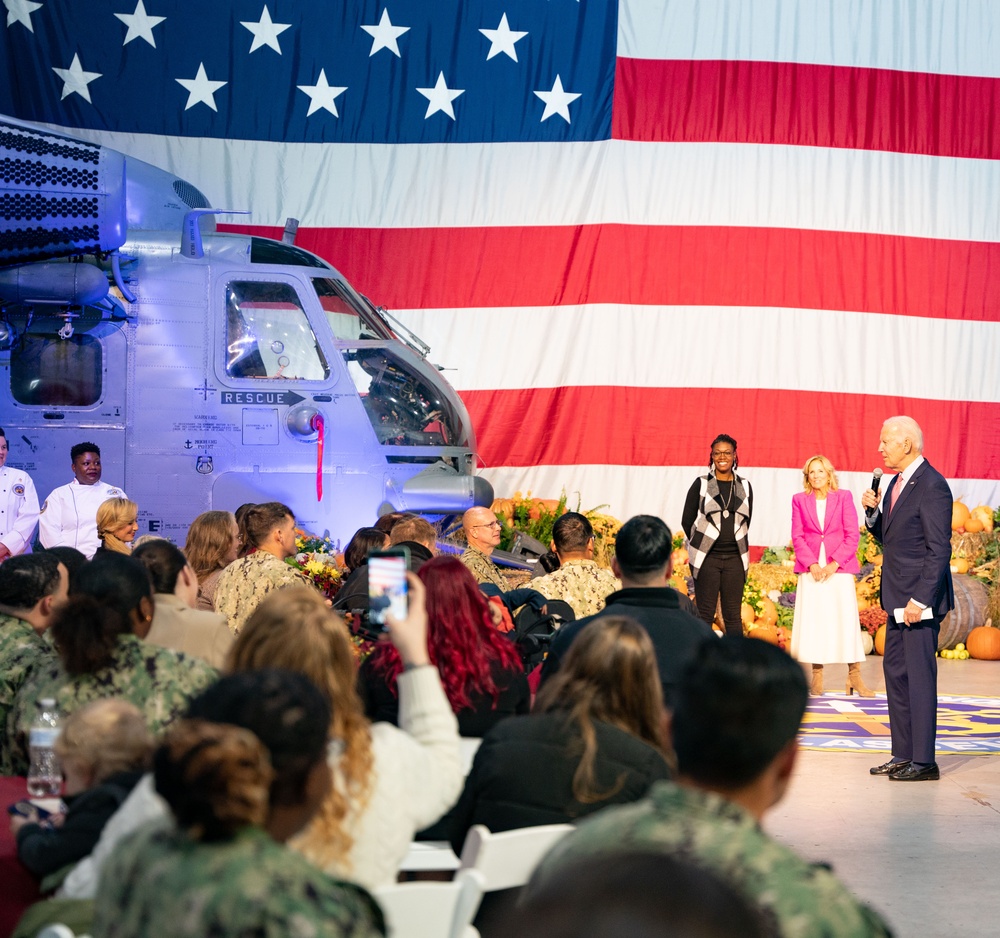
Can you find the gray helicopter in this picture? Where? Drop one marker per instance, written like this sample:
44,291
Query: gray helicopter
212,369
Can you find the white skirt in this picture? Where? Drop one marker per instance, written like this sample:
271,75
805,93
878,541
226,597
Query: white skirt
826,627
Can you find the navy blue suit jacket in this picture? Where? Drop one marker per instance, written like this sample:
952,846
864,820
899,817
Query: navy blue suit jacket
916,542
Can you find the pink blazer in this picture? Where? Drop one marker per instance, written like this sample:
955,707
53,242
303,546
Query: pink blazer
839,534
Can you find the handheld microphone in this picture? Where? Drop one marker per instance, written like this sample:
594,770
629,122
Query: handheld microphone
876,479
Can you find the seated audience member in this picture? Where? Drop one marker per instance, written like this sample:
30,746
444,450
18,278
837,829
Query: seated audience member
482,533
419,537
117,523
641,895
734,731
244,772
353,592
642,561
104,749
98,634
71,558
32,586
388,783
176,623
480,669
243,584
596,737
579,580
213,541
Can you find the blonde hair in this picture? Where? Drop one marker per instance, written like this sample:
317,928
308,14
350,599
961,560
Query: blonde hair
209,541
294,630
830,471
111,515
107,735
610,675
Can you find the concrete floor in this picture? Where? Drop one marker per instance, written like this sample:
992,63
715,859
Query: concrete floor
924,854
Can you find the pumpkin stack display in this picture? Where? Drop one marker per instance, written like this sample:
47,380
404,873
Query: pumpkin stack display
764,624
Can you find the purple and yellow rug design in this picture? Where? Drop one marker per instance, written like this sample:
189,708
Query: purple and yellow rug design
965,725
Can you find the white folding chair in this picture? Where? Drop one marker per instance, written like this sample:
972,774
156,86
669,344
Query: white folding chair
509,858
432,910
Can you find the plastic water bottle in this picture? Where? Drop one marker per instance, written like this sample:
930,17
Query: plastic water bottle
45,772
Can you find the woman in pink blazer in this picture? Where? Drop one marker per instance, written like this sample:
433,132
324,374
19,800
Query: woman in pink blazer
825,533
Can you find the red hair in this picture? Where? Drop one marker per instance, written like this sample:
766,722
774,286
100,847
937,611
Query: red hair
461,639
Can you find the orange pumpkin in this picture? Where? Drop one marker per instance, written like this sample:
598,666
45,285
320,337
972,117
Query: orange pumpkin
769,633
973,525
747,615
959,515
880,640
984,642
503,508
679,556
960,565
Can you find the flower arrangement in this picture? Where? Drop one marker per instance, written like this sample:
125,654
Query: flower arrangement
536,516
872,619
318,559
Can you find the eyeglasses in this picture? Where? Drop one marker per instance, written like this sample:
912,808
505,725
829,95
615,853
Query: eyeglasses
722,452
488,524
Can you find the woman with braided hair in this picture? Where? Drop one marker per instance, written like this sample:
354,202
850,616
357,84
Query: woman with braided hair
716,519
244,772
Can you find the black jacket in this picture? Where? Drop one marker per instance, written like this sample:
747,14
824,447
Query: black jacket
675,633
522,775
44,850
353,592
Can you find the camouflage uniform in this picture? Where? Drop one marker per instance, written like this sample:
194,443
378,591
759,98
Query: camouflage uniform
21,650
796,897
158,681
484,569
161,883
581,583
245,582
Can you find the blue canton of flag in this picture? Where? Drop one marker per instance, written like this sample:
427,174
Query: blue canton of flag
405,71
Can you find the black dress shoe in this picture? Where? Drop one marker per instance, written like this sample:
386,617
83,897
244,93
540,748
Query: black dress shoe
913,773
887,768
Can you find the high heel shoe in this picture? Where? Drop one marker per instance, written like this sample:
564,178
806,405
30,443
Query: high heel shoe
816,690
854,682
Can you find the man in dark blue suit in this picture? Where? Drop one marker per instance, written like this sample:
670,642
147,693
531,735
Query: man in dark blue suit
914,527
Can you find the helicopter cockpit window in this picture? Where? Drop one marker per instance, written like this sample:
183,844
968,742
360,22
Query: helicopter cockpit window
268,334
404,408
49,371
350,317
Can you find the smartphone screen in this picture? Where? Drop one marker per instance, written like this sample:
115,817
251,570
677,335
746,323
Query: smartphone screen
387,584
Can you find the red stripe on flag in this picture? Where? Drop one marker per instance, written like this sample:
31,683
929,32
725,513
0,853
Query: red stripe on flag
807,105
450,268
671,427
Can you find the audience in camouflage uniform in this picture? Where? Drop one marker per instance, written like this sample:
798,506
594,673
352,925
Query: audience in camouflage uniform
243,584
99,635
31,586
579,580
482,532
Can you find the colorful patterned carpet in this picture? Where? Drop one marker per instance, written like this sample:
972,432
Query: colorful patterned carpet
966,725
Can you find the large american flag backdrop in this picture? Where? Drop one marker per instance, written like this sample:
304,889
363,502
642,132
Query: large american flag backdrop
625,226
